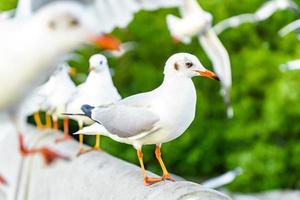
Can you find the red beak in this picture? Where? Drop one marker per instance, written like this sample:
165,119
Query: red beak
209,74
107,42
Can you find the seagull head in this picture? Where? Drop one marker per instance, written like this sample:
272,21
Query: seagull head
67,25
98,63
185,64
64,68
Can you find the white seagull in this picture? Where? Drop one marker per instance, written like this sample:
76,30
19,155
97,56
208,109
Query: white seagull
291,65
31,45
154,117
55,103
97,90
294,26
261,14
196,22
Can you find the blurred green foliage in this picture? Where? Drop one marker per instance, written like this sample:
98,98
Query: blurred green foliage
263,137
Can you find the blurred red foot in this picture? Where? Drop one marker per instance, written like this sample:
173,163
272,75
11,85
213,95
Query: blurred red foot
49,155
2,181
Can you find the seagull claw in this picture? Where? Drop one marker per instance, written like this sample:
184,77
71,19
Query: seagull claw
168,177
62,139
84,151
50,156
149,181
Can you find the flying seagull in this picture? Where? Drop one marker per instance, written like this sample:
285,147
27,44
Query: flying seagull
97,90
197,22
294,26
261,14
154,117
291,65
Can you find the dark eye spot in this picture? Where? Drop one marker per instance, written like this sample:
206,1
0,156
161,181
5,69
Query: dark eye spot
189,64
52,25
101,62
176,66
74,22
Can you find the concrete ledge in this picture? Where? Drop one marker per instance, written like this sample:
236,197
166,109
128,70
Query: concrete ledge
96,175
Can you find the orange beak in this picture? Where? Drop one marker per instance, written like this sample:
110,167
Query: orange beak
107,42
208,74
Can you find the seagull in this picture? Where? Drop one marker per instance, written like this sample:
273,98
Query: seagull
261,14
33,104
196,22
55,103
31,46
291,65
97,90
294,26
154,117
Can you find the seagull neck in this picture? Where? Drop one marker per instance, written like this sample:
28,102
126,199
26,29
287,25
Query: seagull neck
177,81
103,77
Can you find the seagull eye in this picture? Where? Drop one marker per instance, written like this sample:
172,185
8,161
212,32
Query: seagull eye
101,62
74,22
189,64
52,25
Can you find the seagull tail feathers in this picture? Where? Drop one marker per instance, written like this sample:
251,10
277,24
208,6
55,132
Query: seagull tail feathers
87,110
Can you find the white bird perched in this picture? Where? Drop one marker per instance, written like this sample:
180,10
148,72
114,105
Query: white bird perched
97,90
55,103
154,117
196,22
263,13
291,65
294,26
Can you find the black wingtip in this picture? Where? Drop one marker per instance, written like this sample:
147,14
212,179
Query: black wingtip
87,109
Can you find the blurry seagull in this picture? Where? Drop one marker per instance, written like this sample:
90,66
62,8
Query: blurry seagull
294,26
291,65
153,117
55,103
97,90
196,22
263,13
222,180
31,46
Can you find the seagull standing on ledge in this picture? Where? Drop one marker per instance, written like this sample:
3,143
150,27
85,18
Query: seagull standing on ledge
263,13
97,90
154,117
196,22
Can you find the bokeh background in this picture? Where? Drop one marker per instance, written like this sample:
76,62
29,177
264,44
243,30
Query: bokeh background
263,137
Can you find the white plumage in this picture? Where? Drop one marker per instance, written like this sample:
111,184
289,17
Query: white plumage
261,14
293,26
154,117
291,65
196,22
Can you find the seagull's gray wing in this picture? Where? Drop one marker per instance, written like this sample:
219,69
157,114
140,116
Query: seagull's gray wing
293,26
234,22
109,14
221,63
125,121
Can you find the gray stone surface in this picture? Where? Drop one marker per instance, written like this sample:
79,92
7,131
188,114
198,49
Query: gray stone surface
271,195
96,175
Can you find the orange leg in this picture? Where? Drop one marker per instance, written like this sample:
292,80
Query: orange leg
55,124
2,181
66,135
49,155
95,148
37,120
48,121
147,180
166,175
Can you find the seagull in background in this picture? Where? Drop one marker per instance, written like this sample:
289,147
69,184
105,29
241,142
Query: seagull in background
154,117
97,90
222,180
196,22
263,13
55,103
291,65
294,26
